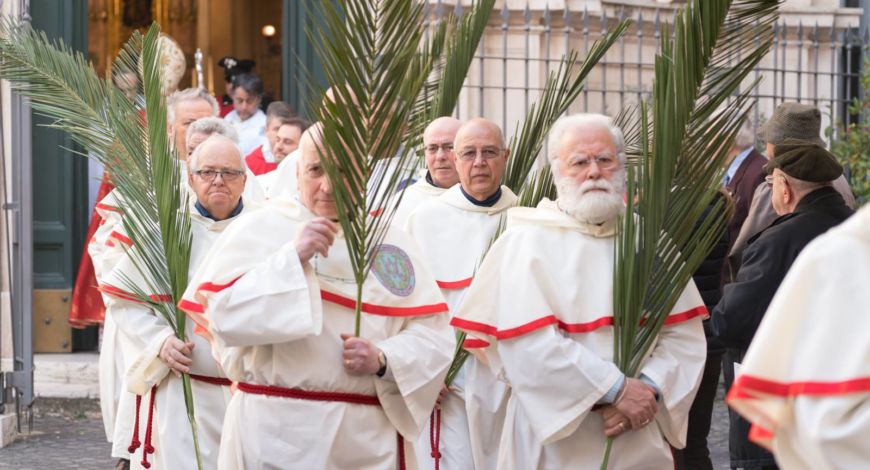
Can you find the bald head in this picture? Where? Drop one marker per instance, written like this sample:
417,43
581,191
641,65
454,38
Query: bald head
480,126
438,146
213,145
481,157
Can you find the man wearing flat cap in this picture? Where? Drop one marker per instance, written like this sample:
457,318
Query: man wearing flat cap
800,177
789,121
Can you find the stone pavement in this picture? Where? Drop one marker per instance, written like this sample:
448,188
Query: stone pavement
68,434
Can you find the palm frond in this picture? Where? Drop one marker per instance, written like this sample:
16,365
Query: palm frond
628,120
371,55
457,59
695,116
62,85
59,82
560,91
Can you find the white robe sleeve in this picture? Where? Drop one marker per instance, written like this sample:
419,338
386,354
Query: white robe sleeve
556,380
828,432
146,369
675,366
418,358
275,302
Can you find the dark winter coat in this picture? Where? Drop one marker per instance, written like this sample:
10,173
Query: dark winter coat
766,260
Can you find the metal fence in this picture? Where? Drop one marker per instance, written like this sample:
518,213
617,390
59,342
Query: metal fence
818,65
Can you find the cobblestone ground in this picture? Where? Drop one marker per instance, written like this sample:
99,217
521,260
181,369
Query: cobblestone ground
59,442
71,437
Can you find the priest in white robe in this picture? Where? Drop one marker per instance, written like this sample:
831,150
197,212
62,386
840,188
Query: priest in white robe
805,381
441,172
276,298
453,231
190,116
542,305
161,436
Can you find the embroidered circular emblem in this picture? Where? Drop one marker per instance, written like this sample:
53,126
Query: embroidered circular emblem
394,270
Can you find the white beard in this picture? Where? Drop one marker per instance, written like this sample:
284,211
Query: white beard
593,207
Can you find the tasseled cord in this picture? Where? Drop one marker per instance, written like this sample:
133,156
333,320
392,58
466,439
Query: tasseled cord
134,443
435,436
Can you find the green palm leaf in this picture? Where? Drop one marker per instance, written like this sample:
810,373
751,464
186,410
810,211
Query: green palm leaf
377,62
695,118
457,59
61,85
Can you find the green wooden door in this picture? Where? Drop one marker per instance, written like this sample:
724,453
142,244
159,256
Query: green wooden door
60,212
299,58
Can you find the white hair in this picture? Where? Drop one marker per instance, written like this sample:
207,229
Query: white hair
193,162
211,126
188,94
578,121
576,199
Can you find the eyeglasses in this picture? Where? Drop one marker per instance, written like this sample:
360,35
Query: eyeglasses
226,175
487,153
604,162
434,148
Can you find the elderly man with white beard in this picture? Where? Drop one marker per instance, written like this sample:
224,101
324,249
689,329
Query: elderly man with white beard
542,304
453,231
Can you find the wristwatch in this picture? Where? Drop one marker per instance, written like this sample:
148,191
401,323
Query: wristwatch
382,361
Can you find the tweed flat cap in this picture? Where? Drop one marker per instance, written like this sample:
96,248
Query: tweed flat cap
804,161
793,121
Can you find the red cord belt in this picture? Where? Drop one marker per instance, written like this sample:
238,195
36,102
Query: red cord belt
352,398
148,448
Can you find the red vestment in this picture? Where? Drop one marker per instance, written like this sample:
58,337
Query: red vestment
257,163
87,303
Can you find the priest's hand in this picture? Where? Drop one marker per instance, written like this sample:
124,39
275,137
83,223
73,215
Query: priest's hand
615,423
316,237
175,353
637,402
360,356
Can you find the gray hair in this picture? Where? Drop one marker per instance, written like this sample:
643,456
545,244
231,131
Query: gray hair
578,121
211,126
188,94
193,162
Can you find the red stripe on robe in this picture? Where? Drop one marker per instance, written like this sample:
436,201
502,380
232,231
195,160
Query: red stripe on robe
87,307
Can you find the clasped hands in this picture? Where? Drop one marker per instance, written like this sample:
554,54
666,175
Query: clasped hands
634,408
176,353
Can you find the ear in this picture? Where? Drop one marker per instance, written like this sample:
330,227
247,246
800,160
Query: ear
507,153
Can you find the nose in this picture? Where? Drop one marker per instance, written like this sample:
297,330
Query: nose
594,171
326,186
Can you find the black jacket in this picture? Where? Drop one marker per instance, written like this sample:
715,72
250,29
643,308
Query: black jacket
767,259
708,276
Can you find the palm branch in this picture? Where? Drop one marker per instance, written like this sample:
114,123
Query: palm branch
61,85
451,72
378,64
695,118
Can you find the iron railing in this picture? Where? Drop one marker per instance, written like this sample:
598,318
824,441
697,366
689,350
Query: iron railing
818,65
